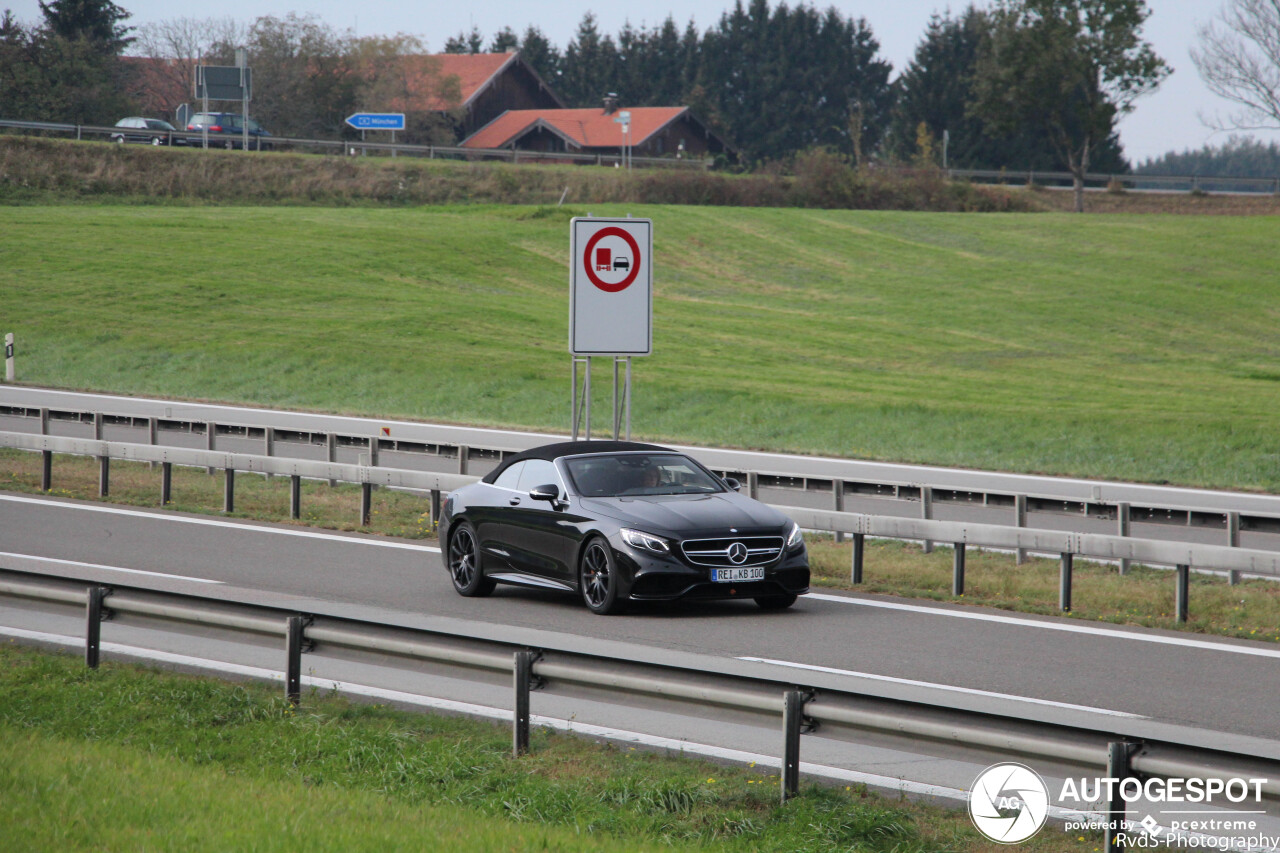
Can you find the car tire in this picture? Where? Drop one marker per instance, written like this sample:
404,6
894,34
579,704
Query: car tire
598,579
776,602
464,563
155,140
120,140
231,146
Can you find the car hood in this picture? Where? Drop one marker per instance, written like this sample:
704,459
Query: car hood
685,514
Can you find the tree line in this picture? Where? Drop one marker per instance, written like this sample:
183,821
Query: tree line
1023,84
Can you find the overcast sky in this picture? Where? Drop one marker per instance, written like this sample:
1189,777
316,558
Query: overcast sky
1167,120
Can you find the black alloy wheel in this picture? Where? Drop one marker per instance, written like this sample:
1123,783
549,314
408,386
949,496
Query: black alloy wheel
598,579
464,563
775,602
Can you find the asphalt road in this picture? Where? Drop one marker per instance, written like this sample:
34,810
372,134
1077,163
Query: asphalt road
1050,664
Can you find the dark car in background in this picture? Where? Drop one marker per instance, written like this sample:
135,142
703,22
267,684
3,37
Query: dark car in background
226,130
152,131
616,522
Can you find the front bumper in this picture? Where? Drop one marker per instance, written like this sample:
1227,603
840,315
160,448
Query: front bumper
654,578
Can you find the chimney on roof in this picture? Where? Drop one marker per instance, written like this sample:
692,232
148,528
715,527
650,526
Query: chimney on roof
610,103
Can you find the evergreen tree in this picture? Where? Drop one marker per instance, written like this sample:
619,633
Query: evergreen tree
541,55
590,67
505,40
99,22
472,42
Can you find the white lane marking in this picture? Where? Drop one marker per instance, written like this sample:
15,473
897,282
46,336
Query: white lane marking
969,690
109,568
1092,629
215,522
736,756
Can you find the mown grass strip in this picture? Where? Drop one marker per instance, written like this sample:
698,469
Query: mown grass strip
1145,596
127,758
1134,348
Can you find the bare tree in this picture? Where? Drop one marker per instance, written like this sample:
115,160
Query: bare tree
1239,59
165,54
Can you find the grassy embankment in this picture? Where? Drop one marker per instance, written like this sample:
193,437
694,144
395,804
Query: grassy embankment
1250,610
1112,347
127,758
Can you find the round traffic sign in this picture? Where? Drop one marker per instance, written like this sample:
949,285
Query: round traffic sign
610,260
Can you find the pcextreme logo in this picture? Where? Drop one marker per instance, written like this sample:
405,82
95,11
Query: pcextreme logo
1008,802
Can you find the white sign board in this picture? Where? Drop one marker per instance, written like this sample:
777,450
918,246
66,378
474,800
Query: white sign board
610,286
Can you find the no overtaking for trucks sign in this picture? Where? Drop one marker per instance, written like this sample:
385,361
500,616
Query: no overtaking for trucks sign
610,286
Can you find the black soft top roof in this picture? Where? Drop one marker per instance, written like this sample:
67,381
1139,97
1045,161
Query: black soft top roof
571,448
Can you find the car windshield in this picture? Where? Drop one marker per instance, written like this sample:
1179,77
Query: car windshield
639,474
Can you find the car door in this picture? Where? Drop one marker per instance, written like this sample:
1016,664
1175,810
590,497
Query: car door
488,515
542,537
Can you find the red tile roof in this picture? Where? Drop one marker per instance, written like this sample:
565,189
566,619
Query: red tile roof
584,128
473,70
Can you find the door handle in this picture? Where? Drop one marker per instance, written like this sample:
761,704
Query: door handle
514,501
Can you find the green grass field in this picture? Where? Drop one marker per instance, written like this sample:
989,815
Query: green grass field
1123,347
126,758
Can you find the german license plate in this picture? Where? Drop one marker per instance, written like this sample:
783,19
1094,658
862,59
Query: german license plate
755,573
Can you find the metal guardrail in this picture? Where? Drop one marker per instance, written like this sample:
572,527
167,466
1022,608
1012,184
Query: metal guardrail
1134,182
347,146
1068,545
1123,748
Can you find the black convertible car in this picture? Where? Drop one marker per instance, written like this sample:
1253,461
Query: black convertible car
616,522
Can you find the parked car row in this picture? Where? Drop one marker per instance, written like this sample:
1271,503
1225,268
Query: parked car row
226,130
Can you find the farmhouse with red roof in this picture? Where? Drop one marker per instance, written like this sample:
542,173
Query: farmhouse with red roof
654,132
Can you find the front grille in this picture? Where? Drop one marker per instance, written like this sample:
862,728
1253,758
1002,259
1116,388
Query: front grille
715,552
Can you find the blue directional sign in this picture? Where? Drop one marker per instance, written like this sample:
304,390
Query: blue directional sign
376,121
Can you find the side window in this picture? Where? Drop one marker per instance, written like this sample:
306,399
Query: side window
510,478
538,472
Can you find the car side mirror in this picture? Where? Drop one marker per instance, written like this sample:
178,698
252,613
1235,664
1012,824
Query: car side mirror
549,492
733,484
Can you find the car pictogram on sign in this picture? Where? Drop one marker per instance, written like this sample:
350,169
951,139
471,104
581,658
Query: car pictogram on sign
621,264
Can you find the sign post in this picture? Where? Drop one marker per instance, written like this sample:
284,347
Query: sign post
377,121
225,83
610,308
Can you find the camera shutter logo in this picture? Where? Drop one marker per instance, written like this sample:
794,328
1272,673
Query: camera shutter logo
1008,803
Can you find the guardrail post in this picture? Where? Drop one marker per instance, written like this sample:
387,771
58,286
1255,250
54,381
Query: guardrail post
95,615
269,444
1020,520
855,567
1233,541
293,659
1064,584
166,483
753,485
957,571
837,502
229,491
464,456
1122,529
792,720
435,507
1119,761
46,470
104,461
331,443
151,438
926,512
295,496
522,677
44,421
366,503
210,440
1183,590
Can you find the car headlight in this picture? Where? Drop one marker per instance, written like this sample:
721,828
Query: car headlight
794,537
645,541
